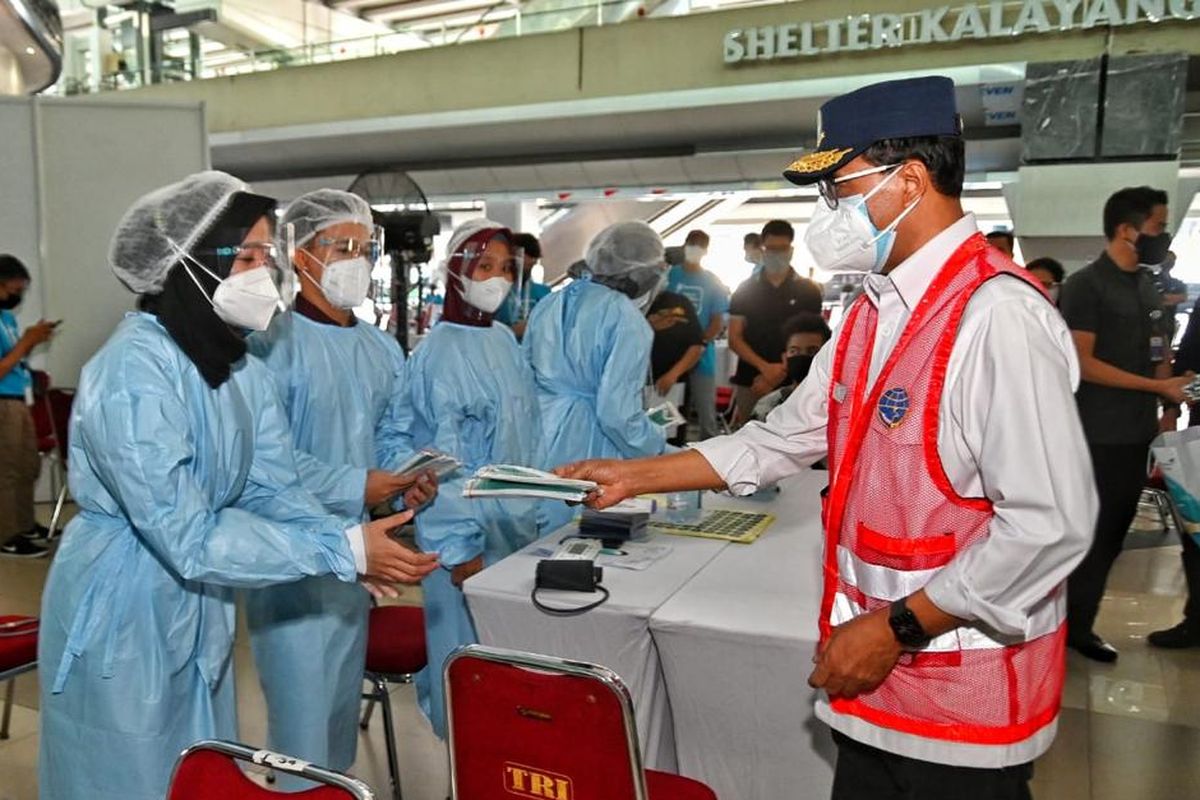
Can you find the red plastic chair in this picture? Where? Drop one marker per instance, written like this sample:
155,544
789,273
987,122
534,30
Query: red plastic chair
395,653
541,727
18,655
209,770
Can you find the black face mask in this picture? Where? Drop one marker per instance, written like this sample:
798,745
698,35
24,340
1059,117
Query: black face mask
1153,249
798,367
11,302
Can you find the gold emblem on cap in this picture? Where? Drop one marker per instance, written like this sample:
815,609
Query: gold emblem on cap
817,160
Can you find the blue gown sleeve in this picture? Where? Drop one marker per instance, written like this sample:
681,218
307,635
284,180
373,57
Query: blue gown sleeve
140,448
450,526
393,442
619,409
340,488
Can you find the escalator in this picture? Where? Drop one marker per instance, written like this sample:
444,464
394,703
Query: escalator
31,46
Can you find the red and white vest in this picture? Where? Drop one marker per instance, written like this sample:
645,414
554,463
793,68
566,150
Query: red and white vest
892,520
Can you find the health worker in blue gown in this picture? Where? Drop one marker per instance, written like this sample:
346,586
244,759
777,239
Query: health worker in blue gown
336,377
469,392
589,346
184,473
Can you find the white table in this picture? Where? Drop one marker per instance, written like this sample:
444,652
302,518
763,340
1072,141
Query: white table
736,645
616,635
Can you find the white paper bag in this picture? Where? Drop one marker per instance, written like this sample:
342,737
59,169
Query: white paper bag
1177,454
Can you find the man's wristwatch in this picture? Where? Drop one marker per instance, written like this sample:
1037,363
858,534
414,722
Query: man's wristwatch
906,627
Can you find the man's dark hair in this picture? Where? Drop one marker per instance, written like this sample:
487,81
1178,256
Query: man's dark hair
1132,205
779,227
1051,265
1003,234
527,242
807,322
11,267
752,240
943,156
697,237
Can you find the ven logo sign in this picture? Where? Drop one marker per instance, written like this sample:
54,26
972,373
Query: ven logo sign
529,782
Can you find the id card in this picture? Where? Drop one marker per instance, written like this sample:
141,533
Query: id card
28,395
1158,349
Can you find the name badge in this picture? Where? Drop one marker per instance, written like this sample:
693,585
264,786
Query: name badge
1158,349
839,392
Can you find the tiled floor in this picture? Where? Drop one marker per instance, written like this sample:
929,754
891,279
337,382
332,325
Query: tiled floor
1129,730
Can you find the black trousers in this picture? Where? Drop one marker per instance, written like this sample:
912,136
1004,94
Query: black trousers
1120,471
867,773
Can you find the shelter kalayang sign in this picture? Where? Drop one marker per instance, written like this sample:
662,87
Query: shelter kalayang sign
996,19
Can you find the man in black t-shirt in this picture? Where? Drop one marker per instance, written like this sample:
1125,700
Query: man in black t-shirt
1116,318
678,344
757,313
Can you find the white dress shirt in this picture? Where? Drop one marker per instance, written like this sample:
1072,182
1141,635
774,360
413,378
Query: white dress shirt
1008,430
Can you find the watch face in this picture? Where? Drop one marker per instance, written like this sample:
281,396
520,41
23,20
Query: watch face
906,626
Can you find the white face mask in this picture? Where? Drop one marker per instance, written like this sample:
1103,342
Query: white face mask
344,283
845,238
693,254
486,295
245,299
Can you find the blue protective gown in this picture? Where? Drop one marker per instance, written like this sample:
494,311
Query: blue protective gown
310,637
184,493
590,352
468,392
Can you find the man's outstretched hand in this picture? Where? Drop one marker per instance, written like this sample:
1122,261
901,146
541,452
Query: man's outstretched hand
614,479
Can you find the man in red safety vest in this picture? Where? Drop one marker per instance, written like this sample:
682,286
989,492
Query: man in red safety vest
960,493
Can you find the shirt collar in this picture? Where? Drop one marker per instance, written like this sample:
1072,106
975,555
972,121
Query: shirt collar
912,276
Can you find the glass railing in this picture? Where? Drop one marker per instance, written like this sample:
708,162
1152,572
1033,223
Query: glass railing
501,20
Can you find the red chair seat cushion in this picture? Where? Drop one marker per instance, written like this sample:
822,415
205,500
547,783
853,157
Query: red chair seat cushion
21,649
396,640
205,775
665,786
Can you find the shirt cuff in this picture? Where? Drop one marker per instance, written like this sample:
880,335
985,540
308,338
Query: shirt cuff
949,592
358,548
733,461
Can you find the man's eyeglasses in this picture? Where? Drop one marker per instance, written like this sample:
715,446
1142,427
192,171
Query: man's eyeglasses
828,186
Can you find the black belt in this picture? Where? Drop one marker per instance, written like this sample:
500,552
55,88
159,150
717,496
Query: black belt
20,397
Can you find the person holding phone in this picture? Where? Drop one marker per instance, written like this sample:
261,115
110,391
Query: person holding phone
20,535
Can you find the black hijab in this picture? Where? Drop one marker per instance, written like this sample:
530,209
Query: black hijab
187,313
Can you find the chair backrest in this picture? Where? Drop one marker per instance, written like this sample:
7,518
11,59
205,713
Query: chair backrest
208,770
60,402
538,727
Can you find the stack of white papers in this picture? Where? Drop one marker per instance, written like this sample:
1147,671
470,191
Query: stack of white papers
506,480
434,461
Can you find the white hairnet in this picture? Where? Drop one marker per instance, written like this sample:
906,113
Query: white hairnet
624,247
141,253
313,212
459,238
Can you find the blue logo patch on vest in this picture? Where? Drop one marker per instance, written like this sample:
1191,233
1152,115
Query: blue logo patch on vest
893,406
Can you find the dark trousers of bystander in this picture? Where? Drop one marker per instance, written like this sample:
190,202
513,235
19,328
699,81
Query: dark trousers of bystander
1120,471
867,772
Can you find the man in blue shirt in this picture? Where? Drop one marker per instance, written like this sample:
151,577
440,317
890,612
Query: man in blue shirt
711,301
515,311
19,465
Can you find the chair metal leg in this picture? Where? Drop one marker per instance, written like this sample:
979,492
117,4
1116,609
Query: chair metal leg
389,735
370,709
58,509
8,704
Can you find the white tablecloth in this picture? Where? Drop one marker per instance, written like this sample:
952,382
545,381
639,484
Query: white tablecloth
736,645
616,635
